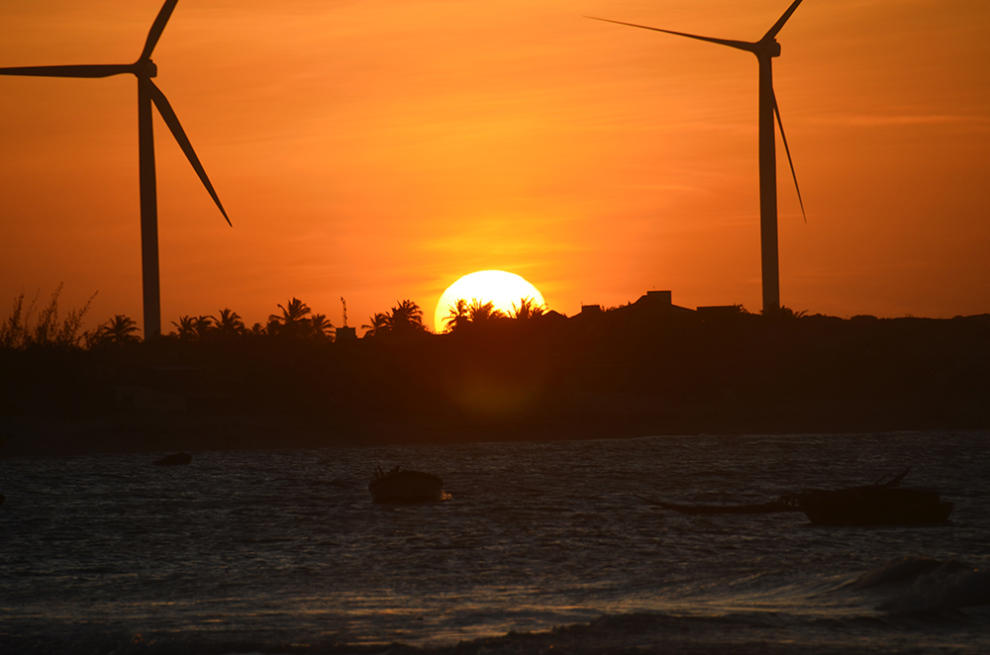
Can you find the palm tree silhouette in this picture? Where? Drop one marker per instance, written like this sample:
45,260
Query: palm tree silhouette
186,326
406,318
320,325
290,321
457,317
378,326
119,329
528,309
202,325
229,323
484,312
294,312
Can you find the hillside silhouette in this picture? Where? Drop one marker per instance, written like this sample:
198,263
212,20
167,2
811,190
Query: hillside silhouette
649,367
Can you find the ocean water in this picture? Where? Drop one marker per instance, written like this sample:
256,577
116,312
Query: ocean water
543,547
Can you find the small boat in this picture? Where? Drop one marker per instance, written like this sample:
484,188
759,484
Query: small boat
175,459
874,504
403,486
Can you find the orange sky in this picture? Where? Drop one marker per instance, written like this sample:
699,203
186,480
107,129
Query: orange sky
379,150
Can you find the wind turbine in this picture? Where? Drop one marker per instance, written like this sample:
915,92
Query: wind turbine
765,50
148,94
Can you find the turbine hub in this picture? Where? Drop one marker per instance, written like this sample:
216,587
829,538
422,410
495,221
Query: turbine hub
145,68
766,47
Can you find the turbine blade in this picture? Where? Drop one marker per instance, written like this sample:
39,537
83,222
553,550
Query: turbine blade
779,25
168,114
741,45
68,71
157,28
783,137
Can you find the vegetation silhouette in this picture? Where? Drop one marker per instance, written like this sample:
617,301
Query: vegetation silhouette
22,329
296,321
228,323
647,367
119,329
377,325
320,326
186,326
484,312
457,317
292,321
479,314
528,309
405,319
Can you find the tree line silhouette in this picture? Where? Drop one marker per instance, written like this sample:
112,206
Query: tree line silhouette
294,320
640,368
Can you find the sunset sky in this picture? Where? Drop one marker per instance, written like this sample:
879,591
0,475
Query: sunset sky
378,150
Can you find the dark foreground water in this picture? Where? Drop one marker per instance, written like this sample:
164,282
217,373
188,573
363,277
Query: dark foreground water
283,551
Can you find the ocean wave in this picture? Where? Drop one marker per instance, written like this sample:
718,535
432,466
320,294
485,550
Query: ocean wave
912,585
612,634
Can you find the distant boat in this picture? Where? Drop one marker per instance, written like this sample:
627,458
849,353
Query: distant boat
402,486
176,459
874,504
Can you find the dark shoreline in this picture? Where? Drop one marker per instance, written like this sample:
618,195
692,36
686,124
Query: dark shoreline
618,374
128,434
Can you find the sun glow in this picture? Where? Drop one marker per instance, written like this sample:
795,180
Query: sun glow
504,290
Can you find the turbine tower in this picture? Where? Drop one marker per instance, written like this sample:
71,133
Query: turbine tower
148,94
765,50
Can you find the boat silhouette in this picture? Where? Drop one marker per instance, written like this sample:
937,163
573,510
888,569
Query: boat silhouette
403,486
874,504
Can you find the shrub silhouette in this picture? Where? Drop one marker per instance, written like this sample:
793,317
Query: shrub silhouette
20,331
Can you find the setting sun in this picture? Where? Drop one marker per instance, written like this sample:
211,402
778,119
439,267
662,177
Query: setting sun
504,290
